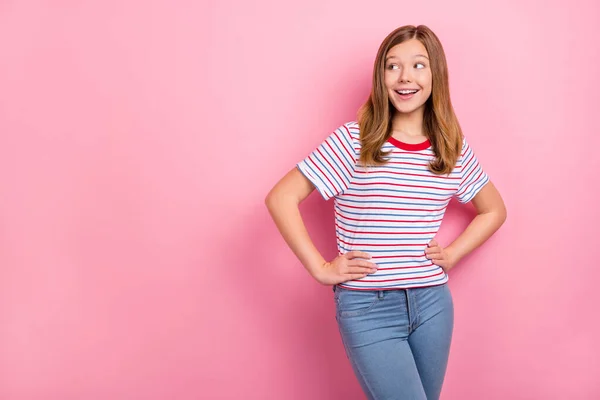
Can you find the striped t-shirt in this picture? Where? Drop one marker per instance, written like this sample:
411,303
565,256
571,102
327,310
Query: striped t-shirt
391,211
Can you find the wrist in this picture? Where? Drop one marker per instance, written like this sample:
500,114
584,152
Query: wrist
453,255
316,270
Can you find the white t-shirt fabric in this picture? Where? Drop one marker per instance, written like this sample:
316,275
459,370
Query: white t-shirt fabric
391,211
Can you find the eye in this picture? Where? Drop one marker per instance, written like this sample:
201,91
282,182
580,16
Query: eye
421,64
392,66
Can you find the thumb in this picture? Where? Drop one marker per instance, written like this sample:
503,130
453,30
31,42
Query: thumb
433,243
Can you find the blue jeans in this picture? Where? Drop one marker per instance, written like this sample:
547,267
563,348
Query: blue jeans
398,340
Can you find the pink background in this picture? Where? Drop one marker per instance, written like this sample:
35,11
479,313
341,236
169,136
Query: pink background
138,140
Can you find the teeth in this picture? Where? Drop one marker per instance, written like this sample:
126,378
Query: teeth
406,91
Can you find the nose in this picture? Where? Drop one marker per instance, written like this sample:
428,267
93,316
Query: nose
404,75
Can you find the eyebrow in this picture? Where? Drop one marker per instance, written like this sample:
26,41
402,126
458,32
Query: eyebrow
417,55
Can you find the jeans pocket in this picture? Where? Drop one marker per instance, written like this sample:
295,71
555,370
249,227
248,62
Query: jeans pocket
354,303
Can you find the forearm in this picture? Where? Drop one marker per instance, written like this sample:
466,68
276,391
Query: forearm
286,215
481,228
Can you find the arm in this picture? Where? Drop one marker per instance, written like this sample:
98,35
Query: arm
491,214
283,201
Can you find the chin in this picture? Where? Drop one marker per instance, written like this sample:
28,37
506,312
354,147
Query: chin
406,110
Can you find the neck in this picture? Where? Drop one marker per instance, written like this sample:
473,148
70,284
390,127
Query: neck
408,127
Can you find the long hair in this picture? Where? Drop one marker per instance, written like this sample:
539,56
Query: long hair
440,124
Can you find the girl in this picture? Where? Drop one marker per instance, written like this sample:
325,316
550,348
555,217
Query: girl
392,175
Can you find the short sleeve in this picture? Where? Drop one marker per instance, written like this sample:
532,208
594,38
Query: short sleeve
472,175
330,166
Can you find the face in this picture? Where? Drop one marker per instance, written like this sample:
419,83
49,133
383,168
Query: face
408,76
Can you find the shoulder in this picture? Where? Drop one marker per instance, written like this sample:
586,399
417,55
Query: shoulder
465,149
352,131
348,135
353,126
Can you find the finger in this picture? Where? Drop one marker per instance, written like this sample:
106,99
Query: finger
356,276
362,263
433,252
433,243
435,249
436,256
361,270
357,254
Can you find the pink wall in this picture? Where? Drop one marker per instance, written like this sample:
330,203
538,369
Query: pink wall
138,140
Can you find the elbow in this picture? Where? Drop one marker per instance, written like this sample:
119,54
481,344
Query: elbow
279,201
497,215
270,200
502,215
273,199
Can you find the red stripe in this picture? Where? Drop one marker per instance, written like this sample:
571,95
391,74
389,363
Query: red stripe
392,208
388,196
339,159
385,288
323,174
411,267
332,168
465,148
461,191
472,183
402,279
384,244
466,162
349,134
400,185
406,256
457,167
406,173
411,198
407,163
389,233
350,156
385,220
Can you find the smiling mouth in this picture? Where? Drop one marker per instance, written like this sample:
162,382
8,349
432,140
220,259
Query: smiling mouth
407,91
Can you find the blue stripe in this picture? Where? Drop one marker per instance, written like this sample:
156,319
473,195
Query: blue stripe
472,178
323,187
349,146
424,236
407,273
390,215
464,186
434,227
393,251
464,182
328,155
374,176
401,191
327,170
471,193
388,285
391,227
403,158
474,164
390,202
423,169
400,262
349,163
